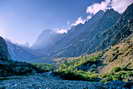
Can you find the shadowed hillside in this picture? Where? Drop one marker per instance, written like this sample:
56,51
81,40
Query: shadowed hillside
9,67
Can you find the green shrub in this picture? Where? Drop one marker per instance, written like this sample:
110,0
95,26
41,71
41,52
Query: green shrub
121,75
67,68
116,69
78,75
43,66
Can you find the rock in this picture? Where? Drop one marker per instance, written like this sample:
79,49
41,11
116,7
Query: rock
46,81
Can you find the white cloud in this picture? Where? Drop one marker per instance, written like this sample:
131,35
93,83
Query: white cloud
78,21
88,17
94,8
118,5
61,31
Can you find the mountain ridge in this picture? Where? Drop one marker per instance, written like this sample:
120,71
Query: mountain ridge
81,32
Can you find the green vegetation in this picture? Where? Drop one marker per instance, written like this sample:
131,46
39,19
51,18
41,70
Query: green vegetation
68,69
118,73
75,62
78,75
122,75
43,66
116,69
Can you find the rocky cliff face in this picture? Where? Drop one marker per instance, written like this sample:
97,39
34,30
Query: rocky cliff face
3,50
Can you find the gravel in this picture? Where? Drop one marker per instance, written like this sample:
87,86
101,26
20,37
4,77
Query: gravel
47,81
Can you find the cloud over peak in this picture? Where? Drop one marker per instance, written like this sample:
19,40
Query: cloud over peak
94,8
118,5
78,21
61,31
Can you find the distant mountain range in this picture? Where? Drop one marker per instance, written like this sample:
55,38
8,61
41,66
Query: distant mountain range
103,30
18,52
47,38
22,53
9,67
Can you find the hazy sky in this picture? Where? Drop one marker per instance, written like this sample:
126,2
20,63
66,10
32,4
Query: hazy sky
23,20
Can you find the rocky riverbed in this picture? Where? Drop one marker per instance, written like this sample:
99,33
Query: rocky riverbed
47,81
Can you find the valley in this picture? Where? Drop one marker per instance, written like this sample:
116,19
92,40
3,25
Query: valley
95,55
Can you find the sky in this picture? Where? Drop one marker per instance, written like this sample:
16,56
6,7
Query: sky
22,21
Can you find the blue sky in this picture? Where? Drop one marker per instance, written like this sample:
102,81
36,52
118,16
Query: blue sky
23,20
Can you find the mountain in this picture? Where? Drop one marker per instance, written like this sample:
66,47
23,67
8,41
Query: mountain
20,53
119,31
9,67
4,55
100,32
24,54
46,38
87,39
115,62
81,38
